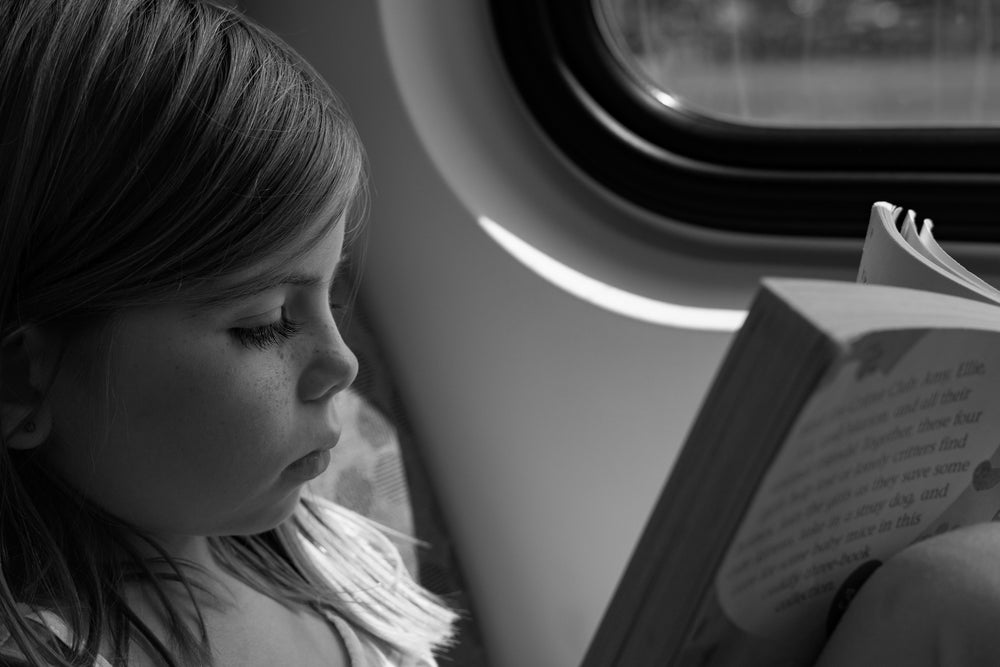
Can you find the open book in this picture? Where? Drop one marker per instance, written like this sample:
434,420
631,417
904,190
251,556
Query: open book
846,422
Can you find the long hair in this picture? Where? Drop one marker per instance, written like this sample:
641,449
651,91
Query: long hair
148,147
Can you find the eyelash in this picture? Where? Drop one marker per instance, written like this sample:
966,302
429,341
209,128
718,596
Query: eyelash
275,333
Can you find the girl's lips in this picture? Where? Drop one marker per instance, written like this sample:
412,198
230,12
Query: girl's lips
315,462
310,466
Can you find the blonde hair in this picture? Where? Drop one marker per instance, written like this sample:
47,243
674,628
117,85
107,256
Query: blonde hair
148,147
348,566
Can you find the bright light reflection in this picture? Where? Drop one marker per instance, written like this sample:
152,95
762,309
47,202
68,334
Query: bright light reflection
666,99
612,298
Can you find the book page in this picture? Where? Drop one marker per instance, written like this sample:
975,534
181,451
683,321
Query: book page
888,259
898,443
908,230
925,243
938,254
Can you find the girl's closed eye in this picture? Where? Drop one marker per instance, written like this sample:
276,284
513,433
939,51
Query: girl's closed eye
267,335
276,332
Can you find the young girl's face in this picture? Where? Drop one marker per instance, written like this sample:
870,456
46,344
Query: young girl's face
192,425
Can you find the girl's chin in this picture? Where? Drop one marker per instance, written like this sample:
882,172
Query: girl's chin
264,519
252,520
273,515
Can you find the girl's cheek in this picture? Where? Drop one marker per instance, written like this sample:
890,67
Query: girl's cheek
267,378
276,384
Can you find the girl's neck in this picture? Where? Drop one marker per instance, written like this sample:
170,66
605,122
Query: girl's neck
190,548
193,555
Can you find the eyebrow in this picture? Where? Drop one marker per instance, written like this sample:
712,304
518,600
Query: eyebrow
293,279
256,285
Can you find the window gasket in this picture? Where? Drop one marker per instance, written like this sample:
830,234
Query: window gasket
690,168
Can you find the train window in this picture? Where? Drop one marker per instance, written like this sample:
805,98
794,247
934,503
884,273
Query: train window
802,63
769,117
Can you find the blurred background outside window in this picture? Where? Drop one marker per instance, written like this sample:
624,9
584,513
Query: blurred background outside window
815,63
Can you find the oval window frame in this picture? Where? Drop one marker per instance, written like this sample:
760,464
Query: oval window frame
690,168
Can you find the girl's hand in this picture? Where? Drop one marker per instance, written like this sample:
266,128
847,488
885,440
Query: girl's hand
935,603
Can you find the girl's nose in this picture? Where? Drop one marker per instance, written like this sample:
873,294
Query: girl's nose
332,368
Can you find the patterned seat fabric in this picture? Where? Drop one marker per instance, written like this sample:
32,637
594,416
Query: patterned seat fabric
377,471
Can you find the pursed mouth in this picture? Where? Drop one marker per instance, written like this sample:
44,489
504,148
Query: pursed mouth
328,443
311,465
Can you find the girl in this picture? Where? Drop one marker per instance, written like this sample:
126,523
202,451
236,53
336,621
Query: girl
175,190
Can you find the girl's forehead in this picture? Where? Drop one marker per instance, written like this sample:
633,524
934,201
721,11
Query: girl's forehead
317,244
310,242
314,252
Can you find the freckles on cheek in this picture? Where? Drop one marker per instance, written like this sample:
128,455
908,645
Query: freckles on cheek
267,384
273,378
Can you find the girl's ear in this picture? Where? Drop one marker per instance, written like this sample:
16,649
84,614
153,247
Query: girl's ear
25,417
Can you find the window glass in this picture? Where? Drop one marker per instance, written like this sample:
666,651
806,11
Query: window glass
815,63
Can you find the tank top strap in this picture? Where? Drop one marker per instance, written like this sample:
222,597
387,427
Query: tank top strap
51,622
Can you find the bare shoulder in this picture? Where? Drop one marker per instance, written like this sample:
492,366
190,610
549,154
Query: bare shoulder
937,602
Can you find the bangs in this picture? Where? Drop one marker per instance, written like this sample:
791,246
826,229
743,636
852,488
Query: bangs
287,155
225,147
